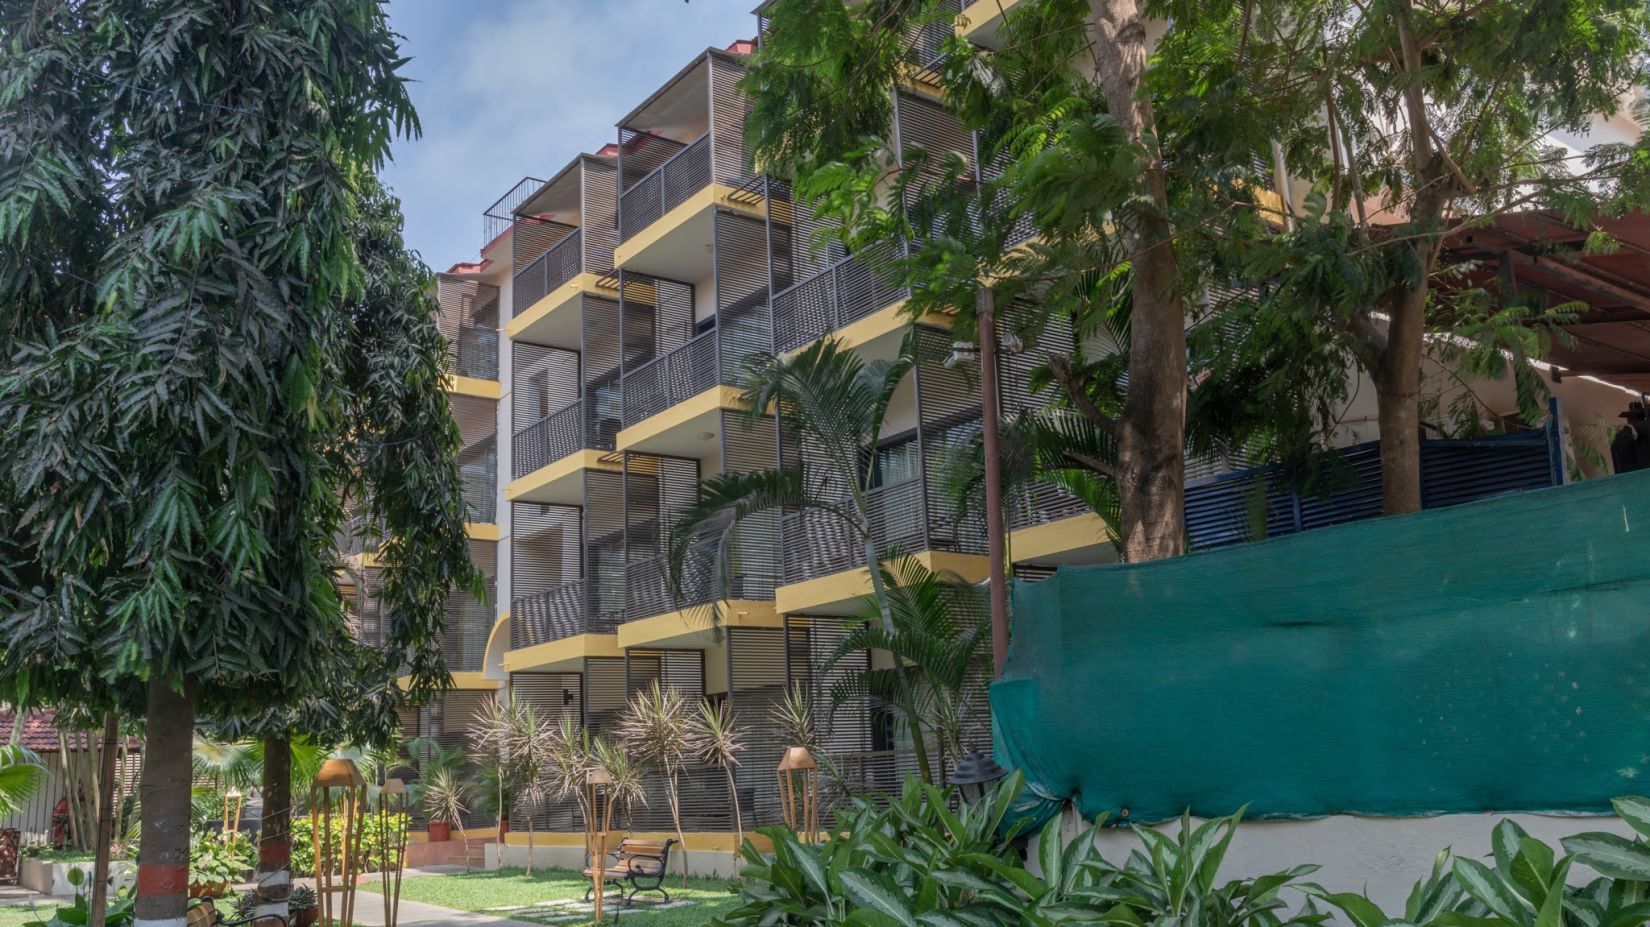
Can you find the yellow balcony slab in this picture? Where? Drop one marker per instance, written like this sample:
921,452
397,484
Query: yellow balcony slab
1084,538
839,593
468,682
559,483
677,244
557,319
470,386
878,334
481,531
693,627
567,654
981,22
681,430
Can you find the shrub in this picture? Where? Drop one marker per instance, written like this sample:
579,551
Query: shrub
917,860
372,842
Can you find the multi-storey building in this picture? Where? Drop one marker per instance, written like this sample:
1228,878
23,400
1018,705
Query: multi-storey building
598,347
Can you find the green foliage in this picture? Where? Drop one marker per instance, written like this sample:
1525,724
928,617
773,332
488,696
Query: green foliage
301,898
214,338
915,861
119,913
214,860
938,645
21,775
373,833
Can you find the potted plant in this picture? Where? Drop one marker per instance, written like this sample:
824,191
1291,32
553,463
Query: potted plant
216,864
301,903
443,796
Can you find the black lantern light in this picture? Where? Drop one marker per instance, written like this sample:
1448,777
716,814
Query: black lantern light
974,776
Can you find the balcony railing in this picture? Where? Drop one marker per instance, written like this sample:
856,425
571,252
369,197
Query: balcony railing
647,581
847,291
550,270
664,381
818,543
478,466
579,427
1041,503
475,352
495,221
469,623
671,183
572,608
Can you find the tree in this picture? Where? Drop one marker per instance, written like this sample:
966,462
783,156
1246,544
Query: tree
716,739
831,401
185,402
1423,119
656,729
936,681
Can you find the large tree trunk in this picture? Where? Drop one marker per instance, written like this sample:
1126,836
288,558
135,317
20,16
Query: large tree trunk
275,829
163,858
105,820
1151,434
1397,381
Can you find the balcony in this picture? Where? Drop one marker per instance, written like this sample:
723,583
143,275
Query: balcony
549,456
852,289
750,591
668,186
478,467
498,218
982,21
573,608
670,379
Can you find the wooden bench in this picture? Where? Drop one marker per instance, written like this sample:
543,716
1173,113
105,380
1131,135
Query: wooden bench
641,863
203,912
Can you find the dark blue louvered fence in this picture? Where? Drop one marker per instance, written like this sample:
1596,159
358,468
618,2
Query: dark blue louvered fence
1250,505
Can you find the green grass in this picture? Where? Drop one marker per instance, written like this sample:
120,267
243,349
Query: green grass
484,892
15,915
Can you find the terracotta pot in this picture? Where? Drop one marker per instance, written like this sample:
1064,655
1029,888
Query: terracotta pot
440,831
305,917
503,827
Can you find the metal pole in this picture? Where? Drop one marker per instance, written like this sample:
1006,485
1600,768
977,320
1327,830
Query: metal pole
989,408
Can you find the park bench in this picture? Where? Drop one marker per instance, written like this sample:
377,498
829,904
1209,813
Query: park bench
203,912
641,863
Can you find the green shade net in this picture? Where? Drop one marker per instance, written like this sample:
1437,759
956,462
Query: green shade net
1493,656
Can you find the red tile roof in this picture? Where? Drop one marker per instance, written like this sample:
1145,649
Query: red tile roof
39,733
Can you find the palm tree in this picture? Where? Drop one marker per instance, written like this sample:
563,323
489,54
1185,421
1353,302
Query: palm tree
656,727
835,403
937,644
21,775
716,739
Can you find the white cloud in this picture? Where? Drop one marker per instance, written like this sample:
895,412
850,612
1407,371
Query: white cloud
512,88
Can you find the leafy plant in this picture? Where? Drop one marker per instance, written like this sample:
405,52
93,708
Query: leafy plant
372,842
20,777
213,861
656,727
119,912
301,898
716,739
918,861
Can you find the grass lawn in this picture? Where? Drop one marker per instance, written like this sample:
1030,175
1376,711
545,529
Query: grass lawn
15,915
486,892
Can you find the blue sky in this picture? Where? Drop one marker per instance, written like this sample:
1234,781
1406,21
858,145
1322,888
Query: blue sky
514,88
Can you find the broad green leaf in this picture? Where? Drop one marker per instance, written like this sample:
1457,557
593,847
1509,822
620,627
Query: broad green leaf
1635,810
1484,884
1613,856
875,892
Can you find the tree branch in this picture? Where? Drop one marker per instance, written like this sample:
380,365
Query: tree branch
1076,387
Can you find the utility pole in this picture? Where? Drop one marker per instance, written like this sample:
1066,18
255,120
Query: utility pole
989,408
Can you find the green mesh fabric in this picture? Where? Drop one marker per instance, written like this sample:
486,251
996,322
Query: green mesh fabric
1489,657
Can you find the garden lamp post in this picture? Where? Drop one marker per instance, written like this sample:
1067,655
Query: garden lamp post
974,776
392,824
799,792
232,819
340,790
600,786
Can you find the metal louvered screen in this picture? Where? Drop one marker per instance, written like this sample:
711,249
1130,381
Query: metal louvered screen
469,619
469,321
655,490
604,693
448,721
1036,503
599,213
547,581
730,162
552,697
756,687
948,420
604,556
1250,505
744,326
749,447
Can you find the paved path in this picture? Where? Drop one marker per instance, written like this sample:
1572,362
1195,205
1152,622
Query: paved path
369,912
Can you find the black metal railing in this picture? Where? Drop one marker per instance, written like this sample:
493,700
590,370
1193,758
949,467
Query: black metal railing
664,381
478,467
647,590
819,543
1041,503
668,186
495,221
577,427
550,270
567,610
847,291
475,352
